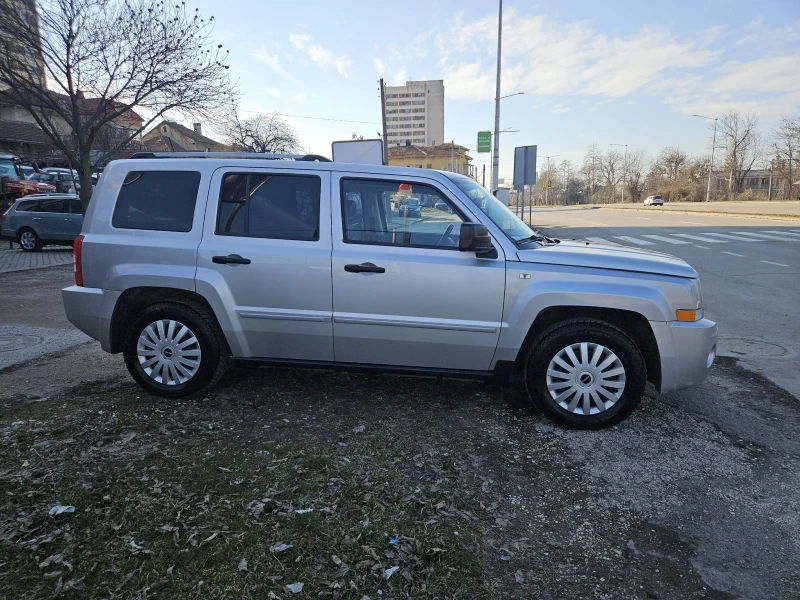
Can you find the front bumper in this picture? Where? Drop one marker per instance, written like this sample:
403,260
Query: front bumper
90,310
687,352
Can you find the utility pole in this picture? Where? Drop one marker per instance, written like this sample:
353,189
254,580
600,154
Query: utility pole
383,118
547,177
484,176
496,154
624,169
771,168
452,157
713,146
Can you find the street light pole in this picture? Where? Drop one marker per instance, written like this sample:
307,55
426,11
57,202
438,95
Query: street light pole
547,181
624,169
496,154
713,145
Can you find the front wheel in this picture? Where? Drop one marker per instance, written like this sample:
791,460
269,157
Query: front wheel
585,373
175,350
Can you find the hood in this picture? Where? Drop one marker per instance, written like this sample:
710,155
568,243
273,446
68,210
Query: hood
576,253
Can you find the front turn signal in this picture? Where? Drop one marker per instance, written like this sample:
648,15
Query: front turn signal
687,315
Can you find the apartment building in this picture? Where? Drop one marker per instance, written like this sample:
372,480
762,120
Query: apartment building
415,113
20,22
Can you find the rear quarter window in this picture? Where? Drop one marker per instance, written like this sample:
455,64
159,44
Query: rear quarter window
157,201
27,205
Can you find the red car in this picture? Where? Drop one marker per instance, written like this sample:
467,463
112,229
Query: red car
14,185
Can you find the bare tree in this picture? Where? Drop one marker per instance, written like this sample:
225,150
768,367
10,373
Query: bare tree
590,169
611,169
742,145
266,133
671,162
638,164
786,146
154,57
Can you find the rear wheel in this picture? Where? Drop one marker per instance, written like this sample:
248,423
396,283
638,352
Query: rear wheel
29,241
585,373
176,350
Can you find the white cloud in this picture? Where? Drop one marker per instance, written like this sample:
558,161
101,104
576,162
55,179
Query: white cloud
560,108
274,92
301,97
380,65
401,77
299,39
274,63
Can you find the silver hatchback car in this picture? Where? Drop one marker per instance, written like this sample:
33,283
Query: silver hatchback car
187,262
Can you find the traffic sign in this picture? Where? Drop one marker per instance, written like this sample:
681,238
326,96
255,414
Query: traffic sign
484,141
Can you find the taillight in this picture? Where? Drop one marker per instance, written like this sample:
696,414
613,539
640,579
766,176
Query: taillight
3,216
77,246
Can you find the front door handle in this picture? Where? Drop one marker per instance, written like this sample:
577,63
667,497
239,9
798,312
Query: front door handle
37,218
231,259
364,268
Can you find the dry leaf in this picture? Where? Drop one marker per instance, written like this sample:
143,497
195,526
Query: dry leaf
295,588
280,547
243,564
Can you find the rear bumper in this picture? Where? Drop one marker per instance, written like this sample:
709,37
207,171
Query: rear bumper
90,310
687,352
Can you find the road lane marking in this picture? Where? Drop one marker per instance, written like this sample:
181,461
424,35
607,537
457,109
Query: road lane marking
703,247
700,238
762,236
790,234
634,240
730,237
665,239
769,262
598,240
734,254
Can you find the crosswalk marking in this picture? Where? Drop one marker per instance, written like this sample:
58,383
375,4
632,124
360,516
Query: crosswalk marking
760,236
703,247
734,254
634,240
665,239
699,238
599,240
730,237
789,233
769,262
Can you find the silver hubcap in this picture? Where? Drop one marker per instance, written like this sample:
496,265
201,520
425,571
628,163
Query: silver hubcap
168,352
586,378
27,240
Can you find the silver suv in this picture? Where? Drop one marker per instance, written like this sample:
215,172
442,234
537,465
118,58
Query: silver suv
189,262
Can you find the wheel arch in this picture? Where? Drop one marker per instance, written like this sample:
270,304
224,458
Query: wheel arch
631,323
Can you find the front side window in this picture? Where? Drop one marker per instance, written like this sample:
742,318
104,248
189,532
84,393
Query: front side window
398,213
283,207
50,206
157,201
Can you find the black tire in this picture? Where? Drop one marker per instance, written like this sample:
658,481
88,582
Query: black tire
214,351
37,245
575,331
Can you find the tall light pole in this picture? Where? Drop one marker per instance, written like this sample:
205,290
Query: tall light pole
496,161
713,144
624,169
496,154
547,181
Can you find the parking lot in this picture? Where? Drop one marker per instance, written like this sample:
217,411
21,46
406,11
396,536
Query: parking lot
693,496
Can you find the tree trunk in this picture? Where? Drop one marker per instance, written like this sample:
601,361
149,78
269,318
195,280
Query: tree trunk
85,174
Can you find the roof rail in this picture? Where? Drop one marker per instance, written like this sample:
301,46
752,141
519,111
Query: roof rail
250,155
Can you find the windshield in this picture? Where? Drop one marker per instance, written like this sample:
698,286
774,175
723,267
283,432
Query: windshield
9,169
498,212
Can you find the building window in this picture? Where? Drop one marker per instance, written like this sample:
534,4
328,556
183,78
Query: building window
418,110
418,94
404,95
416,118
418,102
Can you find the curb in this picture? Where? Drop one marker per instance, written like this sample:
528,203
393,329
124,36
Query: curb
683,211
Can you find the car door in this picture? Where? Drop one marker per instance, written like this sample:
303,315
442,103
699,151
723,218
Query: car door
48,219
266,249
72,219
403,294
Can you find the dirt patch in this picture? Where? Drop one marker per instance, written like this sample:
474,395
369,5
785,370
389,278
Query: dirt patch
417,489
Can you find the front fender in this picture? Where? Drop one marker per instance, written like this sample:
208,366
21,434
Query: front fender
547,286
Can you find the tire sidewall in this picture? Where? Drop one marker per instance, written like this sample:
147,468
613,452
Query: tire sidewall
209,351
610,337
36,246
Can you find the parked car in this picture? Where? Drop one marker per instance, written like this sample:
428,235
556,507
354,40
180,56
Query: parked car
64,180
410,207
171,264
13,184
37,220
27,171
654,201
441,205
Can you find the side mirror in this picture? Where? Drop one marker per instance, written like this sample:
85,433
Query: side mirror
474,237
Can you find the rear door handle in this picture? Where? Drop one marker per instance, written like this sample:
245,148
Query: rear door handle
37,218
364,268
231,259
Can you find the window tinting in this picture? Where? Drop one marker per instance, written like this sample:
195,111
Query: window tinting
157,201
50,206
398,213
284,207
27,206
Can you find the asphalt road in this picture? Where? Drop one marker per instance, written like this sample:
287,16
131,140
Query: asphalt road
749,269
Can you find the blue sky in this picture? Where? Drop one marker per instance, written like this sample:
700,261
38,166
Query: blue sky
604,72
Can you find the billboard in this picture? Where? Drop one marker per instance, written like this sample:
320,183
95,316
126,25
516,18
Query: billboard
363,152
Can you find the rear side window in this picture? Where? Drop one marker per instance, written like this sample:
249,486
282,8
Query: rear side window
283,207
157,201
27,206
50,206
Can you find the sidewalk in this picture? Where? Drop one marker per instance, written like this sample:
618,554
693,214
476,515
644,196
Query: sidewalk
786,209
19,260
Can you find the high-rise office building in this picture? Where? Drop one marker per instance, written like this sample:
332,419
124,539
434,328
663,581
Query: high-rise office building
415,113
